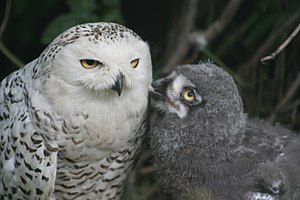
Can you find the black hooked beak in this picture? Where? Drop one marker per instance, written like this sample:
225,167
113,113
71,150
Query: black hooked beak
118,84
159,87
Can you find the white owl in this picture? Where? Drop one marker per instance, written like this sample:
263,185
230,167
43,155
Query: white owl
72,120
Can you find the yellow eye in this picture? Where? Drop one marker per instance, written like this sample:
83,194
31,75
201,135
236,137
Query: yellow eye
88,63
134,63
188,94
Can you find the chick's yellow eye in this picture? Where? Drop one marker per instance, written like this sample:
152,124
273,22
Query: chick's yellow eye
88,63
134,63
188,94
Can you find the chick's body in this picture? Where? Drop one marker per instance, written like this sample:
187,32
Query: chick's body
215,151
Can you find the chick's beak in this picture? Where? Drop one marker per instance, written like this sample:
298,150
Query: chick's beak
158,88
118,86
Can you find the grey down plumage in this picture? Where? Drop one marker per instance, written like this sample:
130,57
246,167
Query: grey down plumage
72,120
206,147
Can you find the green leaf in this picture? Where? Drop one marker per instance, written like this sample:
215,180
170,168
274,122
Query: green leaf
63,22
83,12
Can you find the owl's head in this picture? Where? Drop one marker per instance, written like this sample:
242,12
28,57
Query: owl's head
203,96
99,58
175,93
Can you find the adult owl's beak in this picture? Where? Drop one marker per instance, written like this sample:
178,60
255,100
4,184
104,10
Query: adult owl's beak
118,86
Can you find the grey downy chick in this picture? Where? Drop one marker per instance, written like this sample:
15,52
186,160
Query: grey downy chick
206,147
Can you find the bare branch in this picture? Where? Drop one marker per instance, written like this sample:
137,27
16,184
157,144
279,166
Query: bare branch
201,38
182,29
186,37
252,63
282,46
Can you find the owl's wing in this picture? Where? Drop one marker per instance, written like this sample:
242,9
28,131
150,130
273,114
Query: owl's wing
27,162
276,150
259,196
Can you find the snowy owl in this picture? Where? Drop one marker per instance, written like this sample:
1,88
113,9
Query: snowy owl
71,120
206,147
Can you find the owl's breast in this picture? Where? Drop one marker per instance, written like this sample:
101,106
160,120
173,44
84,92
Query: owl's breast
94,132
98,156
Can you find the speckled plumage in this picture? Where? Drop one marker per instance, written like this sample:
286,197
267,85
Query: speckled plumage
216,151
64,132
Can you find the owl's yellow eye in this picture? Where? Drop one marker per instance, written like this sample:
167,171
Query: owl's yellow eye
134,63
89,63
188,94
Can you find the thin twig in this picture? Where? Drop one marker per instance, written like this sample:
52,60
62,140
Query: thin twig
5,18
202,38
218,26
187,37
252,63
182,29
282,46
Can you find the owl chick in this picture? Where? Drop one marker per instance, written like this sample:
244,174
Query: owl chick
71,120
206,147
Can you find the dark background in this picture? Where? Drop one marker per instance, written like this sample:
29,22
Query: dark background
238,33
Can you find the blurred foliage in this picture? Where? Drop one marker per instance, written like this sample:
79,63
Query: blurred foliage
254,23
33,24
83,12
